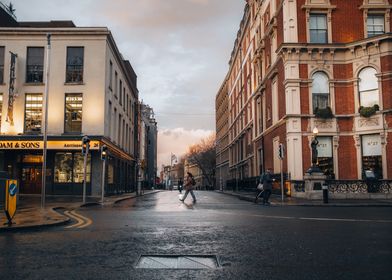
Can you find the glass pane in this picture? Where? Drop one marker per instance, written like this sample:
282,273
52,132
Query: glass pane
321,22
367,79
35,65
78,169
320,83
73,113
63,168
74,71
369,98
33,113
320,101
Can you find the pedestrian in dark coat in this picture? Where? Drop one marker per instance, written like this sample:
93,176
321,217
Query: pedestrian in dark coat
266,180
188,186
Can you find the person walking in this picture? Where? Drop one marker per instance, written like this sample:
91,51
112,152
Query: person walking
266,180
188,186
180,184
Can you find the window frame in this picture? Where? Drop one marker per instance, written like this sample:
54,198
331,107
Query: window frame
328,94
65,114
67,65
375,33
41,80
318,14
360,97
25,114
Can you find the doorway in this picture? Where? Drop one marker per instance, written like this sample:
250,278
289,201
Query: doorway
31,174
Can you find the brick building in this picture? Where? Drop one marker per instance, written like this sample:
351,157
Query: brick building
304,64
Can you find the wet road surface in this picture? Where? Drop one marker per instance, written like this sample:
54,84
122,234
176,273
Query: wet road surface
250,241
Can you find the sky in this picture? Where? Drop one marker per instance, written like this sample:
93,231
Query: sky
179,49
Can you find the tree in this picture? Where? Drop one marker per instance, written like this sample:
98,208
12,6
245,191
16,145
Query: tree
203,155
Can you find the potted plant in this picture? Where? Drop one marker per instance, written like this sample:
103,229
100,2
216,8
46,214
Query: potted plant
323,113
367,112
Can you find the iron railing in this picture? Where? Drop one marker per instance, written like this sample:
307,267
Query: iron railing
359,186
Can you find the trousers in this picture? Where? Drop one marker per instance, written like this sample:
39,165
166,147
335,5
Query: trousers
192,194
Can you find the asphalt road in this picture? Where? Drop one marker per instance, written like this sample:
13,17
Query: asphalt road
250,241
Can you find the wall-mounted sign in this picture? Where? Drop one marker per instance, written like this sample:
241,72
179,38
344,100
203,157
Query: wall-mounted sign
371,145
324,147
52,145
11,90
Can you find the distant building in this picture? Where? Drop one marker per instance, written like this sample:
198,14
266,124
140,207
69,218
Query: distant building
92,91
148,145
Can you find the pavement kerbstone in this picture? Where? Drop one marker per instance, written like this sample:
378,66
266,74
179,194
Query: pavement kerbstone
30,216
276,200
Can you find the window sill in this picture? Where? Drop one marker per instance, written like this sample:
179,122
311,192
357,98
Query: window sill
74,84
34,84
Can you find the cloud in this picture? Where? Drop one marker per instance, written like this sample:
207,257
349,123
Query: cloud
178,48
177,141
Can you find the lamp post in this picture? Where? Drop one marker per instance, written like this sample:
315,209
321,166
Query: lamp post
314,168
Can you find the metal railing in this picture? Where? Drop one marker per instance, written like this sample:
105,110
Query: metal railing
359,186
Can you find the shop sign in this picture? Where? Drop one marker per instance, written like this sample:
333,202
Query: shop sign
324,147
371,145
52,145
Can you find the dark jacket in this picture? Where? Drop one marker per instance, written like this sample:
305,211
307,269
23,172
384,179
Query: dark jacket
266,180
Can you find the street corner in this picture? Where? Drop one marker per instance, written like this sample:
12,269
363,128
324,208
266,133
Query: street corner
34,219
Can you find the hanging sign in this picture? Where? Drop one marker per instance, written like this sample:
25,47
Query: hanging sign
11,90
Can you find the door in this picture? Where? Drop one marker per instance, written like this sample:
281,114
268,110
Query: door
31,181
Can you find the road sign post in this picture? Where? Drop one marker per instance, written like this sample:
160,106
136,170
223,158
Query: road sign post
104,153
10,199
85,150
281,157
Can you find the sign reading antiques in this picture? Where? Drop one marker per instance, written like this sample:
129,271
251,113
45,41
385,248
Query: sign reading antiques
39,145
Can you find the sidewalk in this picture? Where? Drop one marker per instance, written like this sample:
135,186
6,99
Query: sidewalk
292,201
30,215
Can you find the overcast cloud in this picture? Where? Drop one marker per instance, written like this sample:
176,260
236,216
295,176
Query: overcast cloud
178,48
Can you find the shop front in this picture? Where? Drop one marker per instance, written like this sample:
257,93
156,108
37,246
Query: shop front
65,166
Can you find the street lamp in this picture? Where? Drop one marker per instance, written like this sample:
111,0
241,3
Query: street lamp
314,168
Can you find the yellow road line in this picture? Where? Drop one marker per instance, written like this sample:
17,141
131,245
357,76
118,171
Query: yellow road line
86,220
81,220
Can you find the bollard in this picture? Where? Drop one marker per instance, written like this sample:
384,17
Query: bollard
325,193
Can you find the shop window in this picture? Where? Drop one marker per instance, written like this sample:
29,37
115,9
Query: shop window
318,29
78,168
73,113
110,173
325,156
1,65
75,60
35,65
368,87
371,156
375,25
68,168
33,113
320,91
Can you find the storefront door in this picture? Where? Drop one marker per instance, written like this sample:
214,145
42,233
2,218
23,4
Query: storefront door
31,181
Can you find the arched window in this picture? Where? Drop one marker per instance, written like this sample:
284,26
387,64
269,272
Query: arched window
320,90
368,87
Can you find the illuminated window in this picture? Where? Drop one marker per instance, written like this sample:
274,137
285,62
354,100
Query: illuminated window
375,25
318,29
73,113
368,87
320,90
1,65
68,168
325,156
75,59
35,65
33,113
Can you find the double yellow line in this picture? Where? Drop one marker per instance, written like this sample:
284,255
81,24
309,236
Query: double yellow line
82,221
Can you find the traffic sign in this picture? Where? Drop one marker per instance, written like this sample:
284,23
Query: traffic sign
10,199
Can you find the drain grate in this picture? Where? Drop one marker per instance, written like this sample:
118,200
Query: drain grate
178,262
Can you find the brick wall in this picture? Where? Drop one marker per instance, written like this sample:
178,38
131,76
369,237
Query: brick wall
280,35
301,18
386,66
281,90
304,90
344,91
389,155
347,157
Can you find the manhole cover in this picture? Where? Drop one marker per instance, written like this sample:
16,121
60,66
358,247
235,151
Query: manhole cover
178,262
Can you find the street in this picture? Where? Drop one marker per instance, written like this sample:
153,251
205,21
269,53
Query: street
250,241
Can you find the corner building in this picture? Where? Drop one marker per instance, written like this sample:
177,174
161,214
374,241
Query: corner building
92,91
301,64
